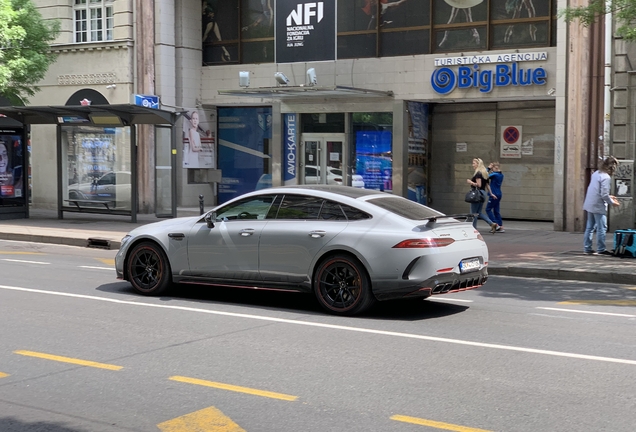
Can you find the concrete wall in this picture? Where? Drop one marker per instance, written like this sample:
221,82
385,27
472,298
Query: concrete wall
528,181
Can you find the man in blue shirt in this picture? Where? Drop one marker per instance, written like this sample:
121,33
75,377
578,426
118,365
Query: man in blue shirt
596,200
495,178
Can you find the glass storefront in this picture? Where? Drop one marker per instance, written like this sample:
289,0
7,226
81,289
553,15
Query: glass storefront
244,150
96,166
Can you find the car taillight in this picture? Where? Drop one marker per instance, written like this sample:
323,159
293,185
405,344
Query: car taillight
338,179
424,243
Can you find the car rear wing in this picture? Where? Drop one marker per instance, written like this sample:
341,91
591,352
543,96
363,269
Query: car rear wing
468,217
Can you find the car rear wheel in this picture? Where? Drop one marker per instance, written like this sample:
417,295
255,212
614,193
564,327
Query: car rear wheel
342,286
148,269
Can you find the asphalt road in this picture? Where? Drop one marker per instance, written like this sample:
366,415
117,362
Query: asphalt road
81,352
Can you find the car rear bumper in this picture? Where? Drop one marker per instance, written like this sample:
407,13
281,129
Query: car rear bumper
439,284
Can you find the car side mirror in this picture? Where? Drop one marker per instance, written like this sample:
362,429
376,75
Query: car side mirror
209,219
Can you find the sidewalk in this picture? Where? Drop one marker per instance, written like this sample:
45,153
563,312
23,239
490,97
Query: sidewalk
526,249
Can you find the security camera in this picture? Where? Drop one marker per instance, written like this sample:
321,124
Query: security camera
244,78
552,91
281,78
311,77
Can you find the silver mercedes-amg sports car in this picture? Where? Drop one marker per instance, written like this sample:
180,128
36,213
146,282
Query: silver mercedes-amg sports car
348,246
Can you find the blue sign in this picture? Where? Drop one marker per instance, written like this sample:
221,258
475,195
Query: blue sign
147,101
445,80
290,146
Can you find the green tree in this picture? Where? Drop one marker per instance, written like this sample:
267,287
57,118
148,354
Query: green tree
25,54
623,10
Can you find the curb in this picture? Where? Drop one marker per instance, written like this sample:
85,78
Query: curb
68,241
582,275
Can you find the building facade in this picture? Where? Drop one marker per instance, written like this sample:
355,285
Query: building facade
396,95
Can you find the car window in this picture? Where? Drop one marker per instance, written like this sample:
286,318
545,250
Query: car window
337,172
299,207
405,208
332,211
354,214
107,179
248,208
311,172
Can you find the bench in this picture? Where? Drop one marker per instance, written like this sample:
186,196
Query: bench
82,204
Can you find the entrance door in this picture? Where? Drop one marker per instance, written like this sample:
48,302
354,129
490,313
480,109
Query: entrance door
324,160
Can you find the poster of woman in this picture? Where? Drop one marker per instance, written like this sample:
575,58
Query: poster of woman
11,178
199,139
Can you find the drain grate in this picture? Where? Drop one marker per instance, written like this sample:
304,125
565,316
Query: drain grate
98,243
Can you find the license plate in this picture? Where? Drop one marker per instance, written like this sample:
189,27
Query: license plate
469,265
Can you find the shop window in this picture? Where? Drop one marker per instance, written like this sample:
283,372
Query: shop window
97,166
220,31
372,149
322,123
244,151
93,20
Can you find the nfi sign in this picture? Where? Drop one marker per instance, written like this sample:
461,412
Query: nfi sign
310,10
305,31
444,80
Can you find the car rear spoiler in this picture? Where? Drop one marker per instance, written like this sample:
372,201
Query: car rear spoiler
468,217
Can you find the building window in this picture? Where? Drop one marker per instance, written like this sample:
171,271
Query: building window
93,20
242,31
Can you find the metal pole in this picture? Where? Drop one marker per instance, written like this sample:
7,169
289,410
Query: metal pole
201,211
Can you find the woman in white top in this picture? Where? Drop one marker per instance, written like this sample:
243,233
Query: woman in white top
192,150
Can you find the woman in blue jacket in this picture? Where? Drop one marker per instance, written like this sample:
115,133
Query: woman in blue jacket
495,177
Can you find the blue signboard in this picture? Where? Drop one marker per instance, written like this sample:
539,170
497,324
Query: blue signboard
289,149
147,101
374,160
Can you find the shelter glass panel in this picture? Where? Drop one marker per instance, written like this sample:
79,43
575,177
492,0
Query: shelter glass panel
96,167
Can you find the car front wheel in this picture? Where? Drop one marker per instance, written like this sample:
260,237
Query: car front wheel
148,269
342,286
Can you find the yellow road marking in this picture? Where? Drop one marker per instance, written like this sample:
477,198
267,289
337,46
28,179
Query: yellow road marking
435,424
234,388
69,360
209,419
601,302
107,261
20,253
3,375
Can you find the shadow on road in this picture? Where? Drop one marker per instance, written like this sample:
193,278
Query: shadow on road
10,424
295,302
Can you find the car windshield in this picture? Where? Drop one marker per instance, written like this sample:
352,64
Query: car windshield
405,208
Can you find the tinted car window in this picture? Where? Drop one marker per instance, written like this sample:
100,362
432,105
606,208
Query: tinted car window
354,214
299,207
405,208
249,208
332,211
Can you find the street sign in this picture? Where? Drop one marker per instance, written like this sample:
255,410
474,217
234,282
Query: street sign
147,101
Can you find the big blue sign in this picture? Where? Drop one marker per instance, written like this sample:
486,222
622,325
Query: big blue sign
445,80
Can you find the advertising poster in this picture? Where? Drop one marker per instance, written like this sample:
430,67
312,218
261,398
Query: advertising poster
11,169
373,159
418,152
199,139
305,31
245,135
511,142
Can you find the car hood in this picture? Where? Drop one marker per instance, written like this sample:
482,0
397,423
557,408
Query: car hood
158,227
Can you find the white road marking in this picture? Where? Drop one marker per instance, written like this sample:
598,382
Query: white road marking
98,268
588,312
335,327
25,261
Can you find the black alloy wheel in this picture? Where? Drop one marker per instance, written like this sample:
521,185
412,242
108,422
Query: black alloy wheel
342,286
148,269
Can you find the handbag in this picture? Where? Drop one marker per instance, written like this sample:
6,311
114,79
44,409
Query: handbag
474,196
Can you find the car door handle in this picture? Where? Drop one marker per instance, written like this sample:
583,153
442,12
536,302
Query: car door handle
247,232
317,234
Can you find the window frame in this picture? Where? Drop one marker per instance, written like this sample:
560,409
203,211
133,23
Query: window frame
84,30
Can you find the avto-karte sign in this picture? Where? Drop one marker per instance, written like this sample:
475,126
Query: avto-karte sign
305,31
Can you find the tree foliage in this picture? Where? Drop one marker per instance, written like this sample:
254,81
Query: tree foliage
623,10
25,55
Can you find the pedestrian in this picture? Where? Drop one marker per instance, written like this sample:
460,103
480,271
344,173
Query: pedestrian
495,179
597,198
480,181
